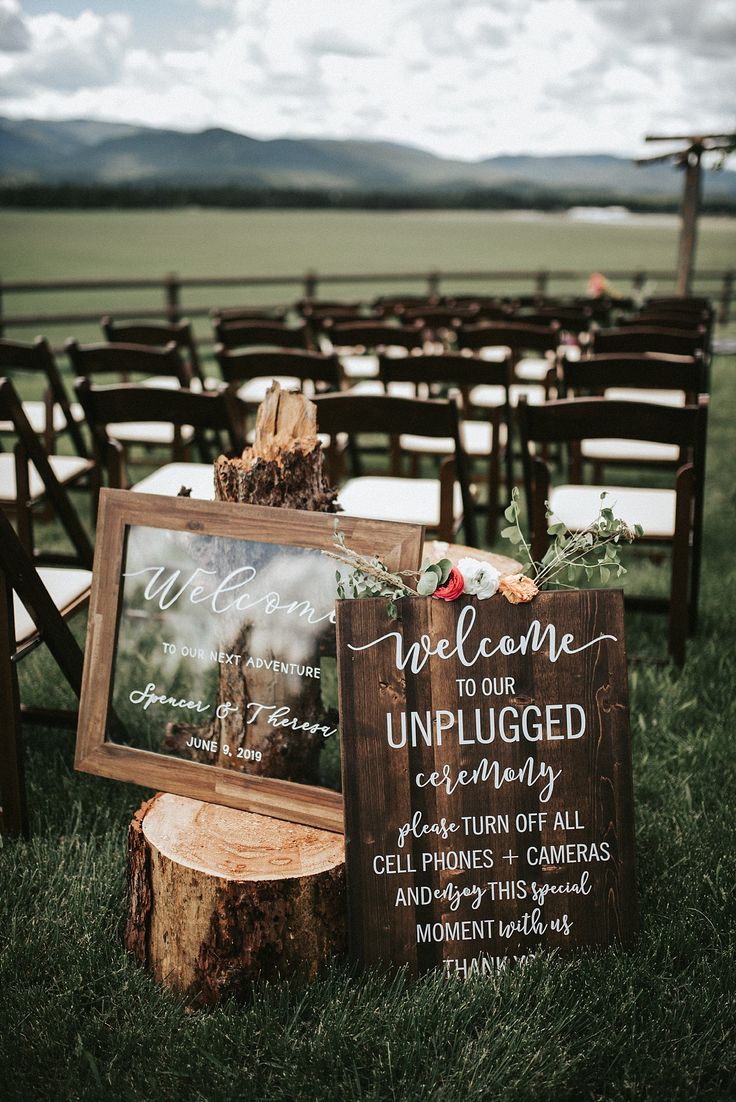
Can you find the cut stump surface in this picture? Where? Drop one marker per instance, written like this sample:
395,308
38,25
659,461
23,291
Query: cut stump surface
219,897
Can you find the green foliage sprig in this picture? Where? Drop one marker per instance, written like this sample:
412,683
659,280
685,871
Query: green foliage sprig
573,559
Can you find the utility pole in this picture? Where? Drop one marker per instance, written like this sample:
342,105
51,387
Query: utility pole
690,159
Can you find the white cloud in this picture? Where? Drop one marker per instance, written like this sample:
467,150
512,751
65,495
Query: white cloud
14,35
467,78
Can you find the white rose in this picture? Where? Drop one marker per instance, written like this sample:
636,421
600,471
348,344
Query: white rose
481,579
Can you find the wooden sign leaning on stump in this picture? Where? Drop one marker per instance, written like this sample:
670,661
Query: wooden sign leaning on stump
188,659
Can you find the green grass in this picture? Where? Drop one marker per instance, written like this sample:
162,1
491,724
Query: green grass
122,244
80,1020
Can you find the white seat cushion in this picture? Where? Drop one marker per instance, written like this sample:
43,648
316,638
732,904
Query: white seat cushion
375,387
36,414
578,506
254,391
65,467
161,382
64,584
476,436
359,367
633,451
148,432
168,480
411,500
532,370
656,397
492,396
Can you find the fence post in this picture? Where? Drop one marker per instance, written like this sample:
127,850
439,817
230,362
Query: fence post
2,319
638,284
310,284
433,284
172,294
542,282
724,312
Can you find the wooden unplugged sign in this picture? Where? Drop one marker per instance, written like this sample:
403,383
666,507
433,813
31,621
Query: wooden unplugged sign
486,778
210,666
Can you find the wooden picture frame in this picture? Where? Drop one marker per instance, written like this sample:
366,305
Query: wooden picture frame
487,779
130,523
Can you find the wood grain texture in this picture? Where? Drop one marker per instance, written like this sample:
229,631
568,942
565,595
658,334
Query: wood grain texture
545,856
219,898
399,545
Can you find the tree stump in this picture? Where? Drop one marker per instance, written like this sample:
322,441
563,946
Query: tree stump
219,897
285,465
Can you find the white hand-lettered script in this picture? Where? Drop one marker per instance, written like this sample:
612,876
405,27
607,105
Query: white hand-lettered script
166,587
534,639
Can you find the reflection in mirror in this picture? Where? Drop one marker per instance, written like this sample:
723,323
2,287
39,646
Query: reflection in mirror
226,654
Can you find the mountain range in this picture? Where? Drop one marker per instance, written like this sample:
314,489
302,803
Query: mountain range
35,151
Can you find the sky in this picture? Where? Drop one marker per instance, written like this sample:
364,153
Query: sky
463,78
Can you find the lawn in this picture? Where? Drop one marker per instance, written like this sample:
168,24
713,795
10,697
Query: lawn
80,1020
90,245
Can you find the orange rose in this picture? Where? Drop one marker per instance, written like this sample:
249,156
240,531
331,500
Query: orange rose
517,588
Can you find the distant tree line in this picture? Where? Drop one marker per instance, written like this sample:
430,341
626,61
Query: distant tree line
74,196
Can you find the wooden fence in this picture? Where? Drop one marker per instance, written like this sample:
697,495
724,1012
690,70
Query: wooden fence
170,289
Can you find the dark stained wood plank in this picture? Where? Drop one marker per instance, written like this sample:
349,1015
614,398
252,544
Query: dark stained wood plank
514,740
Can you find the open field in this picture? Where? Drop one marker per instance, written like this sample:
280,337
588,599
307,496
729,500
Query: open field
123,244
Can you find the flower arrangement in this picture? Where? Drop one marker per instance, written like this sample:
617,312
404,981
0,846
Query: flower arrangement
572,560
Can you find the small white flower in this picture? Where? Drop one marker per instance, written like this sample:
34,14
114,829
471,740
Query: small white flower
481,579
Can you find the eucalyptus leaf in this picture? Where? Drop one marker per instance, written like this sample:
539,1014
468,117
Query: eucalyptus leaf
427,583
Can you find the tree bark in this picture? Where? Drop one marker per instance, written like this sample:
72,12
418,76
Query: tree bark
220,898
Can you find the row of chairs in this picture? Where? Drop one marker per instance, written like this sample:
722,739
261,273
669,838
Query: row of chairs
410,422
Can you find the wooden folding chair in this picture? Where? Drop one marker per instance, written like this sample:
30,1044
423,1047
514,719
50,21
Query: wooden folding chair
157,335
637,377
484,431
520,339
443,504
122,362
29,478
34,605
53,416
254,371
252,333
108,406
671,516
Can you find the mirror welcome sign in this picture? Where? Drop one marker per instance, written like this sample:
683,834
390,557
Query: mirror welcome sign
487,779
210,665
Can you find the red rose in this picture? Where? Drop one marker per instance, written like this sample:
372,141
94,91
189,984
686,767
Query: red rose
452,588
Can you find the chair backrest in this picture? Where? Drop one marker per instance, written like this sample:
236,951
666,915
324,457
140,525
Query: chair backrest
373,336
263,334
650,338
516,336
103,405
637,371
368,413
155,335
239,366
572,420
248,313
30,448
37,358
394,305
123,360
445,369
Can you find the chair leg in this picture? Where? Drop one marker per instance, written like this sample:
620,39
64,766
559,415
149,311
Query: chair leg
12,779
679,596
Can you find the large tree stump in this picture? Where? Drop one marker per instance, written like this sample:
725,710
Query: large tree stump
219,897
